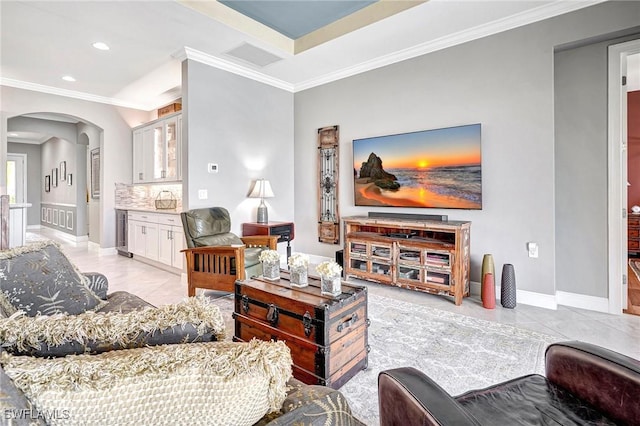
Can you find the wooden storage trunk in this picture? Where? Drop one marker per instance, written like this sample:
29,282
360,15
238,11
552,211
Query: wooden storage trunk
328,337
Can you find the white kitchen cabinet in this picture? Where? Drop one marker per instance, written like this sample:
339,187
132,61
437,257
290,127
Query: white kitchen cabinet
158,237
171,147
143,235
157,150
143,155
171,241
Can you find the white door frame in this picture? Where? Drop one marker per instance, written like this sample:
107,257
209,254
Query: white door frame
617,175
23,179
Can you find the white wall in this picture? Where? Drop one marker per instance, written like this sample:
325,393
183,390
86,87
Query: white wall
244,126
115,144
505,82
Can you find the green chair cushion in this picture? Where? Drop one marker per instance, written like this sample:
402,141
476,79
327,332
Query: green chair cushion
225,239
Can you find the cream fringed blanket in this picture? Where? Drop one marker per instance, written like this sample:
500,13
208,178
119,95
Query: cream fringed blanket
197,383
20,333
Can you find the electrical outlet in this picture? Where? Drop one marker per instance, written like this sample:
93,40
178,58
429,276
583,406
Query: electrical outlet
532,248
202,194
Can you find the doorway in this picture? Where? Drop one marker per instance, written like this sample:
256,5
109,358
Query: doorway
17,178
620,272
633,182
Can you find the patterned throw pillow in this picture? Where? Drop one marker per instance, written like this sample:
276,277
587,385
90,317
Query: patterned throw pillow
38,278
218,383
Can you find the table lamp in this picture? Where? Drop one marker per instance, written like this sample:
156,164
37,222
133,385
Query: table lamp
262,189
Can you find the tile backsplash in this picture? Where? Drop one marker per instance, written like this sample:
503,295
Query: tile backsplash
144,196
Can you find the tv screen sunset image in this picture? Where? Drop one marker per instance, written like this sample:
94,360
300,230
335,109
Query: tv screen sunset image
438,168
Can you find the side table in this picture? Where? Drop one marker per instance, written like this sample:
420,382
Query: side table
284,230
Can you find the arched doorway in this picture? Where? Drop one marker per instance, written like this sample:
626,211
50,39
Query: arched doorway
56,147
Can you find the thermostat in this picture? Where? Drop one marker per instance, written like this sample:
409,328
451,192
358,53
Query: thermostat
212,168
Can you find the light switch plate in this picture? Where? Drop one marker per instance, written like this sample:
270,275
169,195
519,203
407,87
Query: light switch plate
212,168
533,249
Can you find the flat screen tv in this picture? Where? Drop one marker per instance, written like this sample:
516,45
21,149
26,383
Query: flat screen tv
439,168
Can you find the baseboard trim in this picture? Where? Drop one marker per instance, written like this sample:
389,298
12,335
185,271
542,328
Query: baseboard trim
547,301
102,251
582,301
63,235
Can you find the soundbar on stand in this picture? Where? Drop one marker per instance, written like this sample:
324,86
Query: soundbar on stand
438,217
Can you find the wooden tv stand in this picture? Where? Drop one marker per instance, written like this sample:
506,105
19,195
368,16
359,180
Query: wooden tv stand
422,255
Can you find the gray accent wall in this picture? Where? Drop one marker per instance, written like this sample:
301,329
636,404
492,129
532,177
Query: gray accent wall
506,83
54,151
244,126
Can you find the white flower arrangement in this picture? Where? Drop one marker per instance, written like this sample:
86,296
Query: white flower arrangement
298,260
329,268
269,256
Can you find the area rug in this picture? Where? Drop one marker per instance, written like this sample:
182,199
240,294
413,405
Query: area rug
458,352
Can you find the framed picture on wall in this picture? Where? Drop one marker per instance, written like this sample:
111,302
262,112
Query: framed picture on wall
47,183
54,177
69,179
63,170
95,173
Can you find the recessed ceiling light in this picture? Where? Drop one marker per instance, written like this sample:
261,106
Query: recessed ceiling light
100,45
68,78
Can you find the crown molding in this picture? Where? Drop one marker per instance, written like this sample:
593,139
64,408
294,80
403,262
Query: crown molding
18,84
540,13
223,64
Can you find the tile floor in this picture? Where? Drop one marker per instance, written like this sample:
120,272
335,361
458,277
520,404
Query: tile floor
616,332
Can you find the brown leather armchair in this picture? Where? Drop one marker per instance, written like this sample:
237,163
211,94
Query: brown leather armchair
584,384
216,257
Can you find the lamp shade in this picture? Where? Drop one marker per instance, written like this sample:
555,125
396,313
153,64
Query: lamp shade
261,189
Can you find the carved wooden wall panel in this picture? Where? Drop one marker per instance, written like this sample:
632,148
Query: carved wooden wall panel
328,213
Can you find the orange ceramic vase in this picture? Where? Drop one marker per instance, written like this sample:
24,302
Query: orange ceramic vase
487,267
488,291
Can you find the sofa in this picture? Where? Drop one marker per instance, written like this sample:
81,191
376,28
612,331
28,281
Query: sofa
583,384
72,353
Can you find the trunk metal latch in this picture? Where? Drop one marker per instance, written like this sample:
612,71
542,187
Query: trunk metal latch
306,322
272,315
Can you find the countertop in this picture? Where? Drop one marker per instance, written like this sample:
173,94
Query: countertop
149,210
